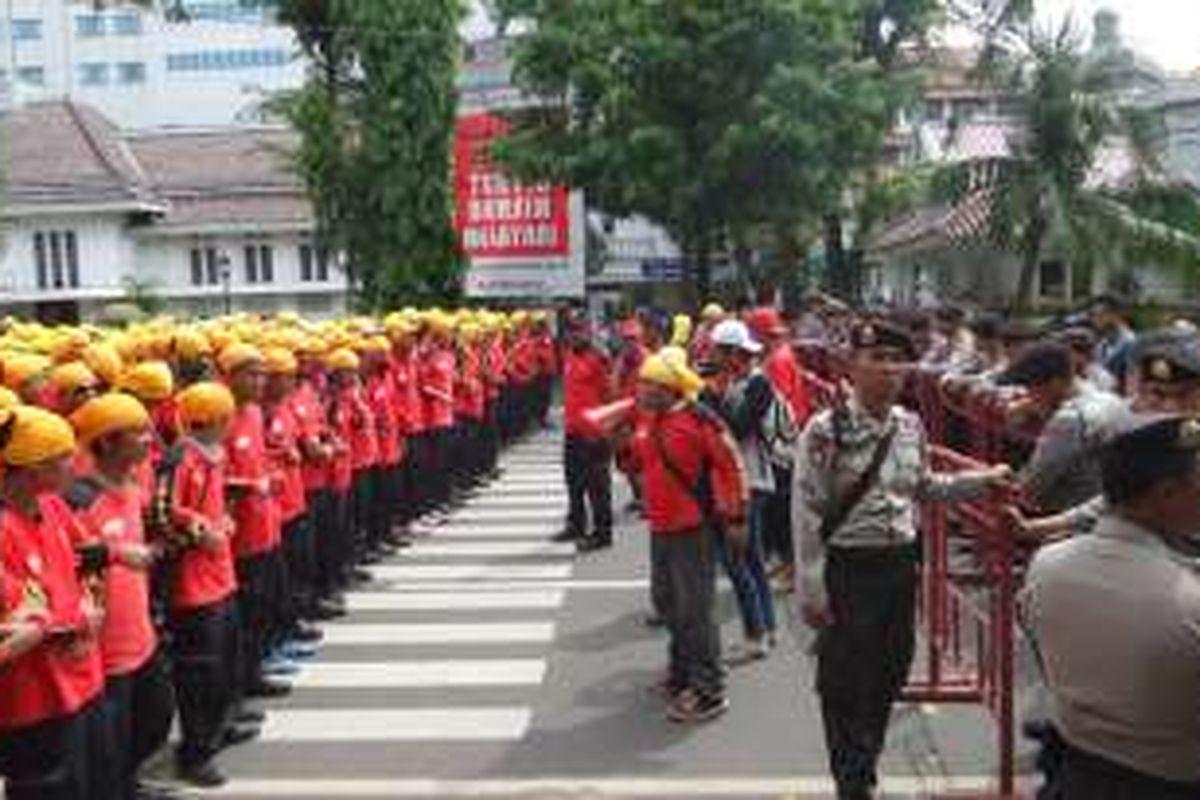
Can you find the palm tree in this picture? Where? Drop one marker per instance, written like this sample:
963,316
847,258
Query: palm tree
1044,190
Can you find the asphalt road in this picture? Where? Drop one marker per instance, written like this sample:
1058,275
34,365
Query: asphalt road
487,662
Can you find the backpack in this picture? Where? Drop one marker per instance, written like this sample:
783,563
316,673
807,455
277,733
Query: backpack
780,432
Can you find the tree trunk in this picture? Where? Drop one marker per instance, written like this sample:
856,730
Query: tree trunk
1031,256
836,279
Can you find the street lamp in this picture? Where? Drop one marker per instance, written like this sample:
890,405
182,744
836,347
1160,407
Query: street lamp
226,281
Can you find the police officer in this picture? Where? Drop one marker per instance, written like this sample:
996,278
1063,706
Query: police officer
1116,616
1062,471
860,471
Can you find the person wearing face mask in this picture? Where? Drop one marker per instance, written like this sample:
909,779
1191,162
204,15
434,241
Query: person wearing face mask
1115,618
861,469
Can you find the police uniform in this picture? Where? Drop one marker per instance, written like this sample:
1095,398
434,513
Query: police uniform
1116,619
1062,472
866,573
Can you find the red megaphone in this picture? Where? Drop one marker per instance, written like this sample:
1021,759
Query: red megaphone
603,421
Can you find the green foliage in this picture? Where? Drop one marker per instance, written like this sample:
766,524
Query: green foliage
708,118
143,295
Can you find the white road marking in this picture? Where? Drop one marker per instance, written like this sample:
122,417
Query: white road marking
394,725
540,529
471,572
604,585
455,600
506,516
800,787
487,549
500,502
421,674
438,633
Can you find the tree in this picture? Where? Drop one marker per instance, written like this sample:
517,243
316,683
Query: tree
709,118
1041,192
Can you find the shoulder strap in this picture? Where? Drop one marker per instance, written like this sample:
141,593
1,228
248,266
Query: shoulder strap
862,484
699,491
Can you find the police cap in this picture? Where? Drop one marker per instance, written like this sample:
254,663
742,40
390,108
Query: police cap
1146,452
1038,365
883,336
1169,357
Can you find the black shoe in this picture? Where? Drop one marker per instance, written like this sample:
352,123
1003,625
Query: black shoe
325,611
146,791
654,621
250,716
360,576
268,689
593,543
370,558
202,776
566,535
239,734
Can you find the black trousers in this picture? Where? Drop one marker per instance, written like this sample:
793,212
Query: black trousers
863,658
587,465
205,672
299,594
140,705
777,530
323,515
384,486
67,758
259,602
683,574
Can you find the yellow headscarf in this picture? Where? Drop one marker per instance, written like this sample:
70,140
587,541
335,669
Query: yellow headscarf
34,436
279,361
204,404
668,367
343,359
237,356
72,377
149,381
107,414
104,361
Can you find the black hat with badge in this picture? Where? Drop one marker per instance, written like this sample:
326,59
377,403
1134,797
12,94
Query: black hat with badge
881,336
1168,356
1147,451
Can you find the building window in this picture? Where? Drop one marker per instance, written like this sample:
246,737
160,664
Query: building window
127,24
56,256
26,30
221,60
1052,280
93,74
259,263
89,26
131,72
314,264
205,265
31,76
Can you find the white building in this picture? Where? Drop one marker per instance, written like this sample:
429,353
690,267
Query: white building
142,69
204,219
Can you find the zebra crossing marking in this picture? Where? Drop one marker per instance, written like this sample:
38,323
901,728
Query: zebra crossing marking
439,633
421,674
454,600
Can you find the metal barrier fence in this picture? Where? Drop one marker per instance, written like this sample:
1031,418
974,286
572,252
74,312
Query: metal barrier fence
972,567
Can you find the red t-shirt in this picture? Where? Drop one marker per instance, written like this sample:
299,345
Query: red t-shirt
255,511
203,577
381,397
586,384
469,392
341,423
628,367
783,370
166,421
494,367
546,354
413,402
437,387
689,440
311,426
38,558
283,459
523,363
127,639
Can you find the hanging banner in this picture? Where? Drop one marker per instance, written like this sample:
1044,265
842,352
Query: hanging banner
521,240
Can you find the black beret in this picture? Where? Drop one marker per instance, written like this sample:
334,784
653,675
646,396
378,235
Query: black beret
1147,451
883,336
1040,363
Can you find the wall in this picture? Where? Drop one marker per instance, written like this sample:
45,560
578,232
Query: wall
105,254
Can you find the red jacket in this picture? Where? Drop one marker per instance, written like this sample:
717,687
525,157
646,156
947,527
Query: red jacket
690,439
587,380
254,508
37,558
283,457
312,426
495,367
545,353
202,577
469,390
381,396
437,387
783,370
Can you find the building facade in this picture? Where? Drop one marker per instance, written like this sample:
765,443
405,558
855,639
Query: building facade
145,68
208,221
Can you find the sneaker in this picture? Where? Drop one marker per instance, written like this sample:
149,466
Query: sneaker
326,610
250,716
239,734
688,707
268,689
748,652
303,632
202,776
295,650
593,543
565,535
277,664
155,791
653,620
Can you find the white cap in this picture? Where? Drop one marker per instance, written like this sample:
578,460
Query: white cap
734,333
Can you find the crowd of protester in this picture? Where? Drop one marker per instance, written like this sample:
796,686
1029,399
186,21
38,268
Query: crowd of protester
180,504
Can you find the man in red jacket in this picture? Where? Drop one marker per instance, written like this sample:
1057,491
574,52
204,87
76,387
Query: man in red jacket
587,459
694,487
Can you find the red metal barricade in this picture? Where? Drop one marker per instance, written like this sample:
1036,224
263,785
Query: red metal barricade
971,565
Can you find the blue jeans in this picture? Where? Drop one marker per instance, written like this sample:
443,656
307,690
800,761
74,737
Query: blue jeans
749,574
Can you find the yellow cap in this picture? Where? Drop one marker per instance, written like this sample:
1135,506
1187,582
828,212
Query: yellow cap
237,356
203,404
712,312
279,361
20,368
342,359
681,330
107,414
72,377
149,381
103,360
191,345
8,398
670,369
33,435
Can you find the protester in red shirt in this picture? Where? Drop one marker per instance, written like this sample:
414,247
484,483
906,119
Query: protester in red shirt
587,456
384,476
694,488
52,717
346,412
545,356
257,541
407,401
629,362
193,524
153,385
438,367
116,429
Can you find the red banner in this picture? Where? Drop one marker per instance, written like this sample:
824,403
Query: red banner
495,217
